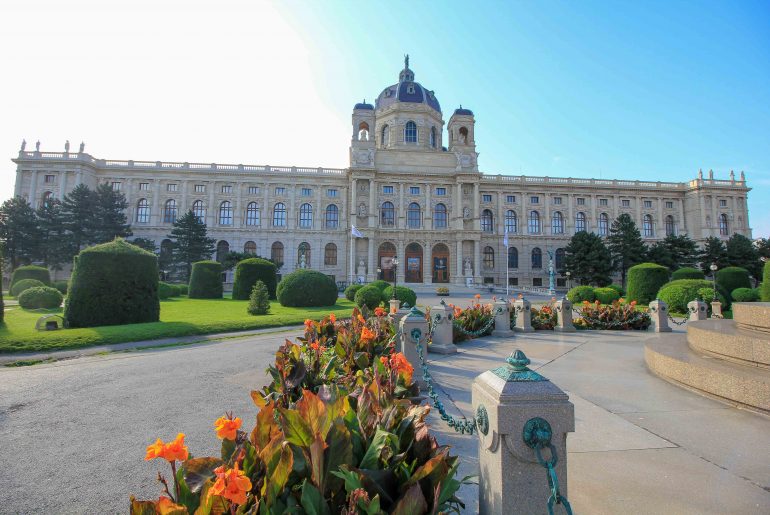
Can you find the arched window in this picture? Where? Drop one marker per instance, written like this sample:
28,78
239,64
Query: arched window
199,211
410,132
580,222
534,223
142,211
604,224
276,253
279,215
647,226
330,254
513,257
537,258
332,216
385,136
387,214
433,137
252,214
306,216
670,227
559,260
440,217
363,131
724,227
557,223
169,211
463,135
489,258
413,216
487,221
511,222
226,213
223,248
303,250
47,197
250,247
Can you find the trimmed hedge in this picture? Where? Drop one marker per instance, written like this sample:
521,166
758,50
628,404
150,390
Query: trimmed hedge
24,284
606,295
206,280
578,294
182,288
379,284
733,277
113,283
40,297
644,281
306,288
764,290
403,294
61,286
251,270
166,290
745,294
618,288
2,302
31,272
687,273
676,294
350,291
369,296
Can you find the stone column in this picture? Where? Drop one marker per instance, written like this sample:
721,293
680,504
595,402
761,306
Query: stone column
413,328
523,310
457,208
372,218
716,309
477,261
698,310
400,220
476,200
459,261
442,341
564,316
518,411
155,217
371,268
659,316
33,189
502,313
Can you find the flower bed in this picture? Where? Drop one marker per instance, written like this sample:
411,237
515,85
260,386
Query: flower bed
620,315
473,321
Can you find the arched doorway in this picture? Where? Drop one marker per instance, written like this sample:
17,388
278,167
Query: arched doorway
413,263
385,255
440,263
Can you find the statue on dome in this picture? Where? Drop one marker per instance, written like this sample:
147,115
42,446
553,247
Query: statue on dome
23,144
37,146
406,60
82,147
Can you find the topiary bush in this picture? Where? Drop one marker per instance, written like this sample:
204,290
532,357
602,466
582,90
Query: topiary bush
745,295
165,290
40,297
764,290
578,294
248,272
259,300
369,296
350,291
644,281
606,295
24,284
618,288
31,272
112,284
306,288
380,284
206,280
403,294
182,287
733,277
61,286
676,294
687,273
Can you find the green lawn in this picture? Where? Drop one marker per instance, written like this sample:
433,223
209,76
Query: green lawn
179,317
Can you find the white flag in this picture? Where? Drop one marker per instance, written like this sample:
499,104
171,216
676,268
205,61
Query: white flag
505,239
355,232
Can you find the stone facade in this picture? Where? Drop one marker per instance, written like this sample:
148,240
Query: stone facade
409,192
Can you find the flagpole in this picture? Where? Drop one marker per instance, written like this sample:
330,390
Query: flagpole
351,255
507,268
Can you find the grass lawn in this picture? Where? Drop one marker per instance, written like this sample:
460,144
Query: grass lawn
179,316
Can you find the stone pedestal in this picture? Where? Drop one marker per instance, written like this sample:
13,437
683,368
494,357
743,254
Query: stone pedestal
413,328
716,309
523,310
564,316
512,403
502,319
698,310
441,318
394,305
659,316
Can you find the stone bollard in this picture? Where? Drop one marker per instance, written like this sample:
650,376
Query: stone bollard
564,316
716,309
659,316
414,327
516,407
523,316
501,309
441,318
697,309
394,305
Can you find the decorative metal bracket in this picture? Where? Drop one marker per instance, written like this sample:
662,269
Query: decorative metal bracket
537,432
517,370
482,419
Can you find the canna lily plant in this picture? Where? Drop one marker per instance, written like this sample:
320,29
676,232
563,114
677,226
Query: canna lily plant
473,318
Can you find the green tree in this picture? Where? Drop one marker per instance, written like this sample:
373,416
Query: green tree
109,213
626,246
588,260
55,244
145,243
78,210
190,243
674,252
19,232
714,251
763,247
741,252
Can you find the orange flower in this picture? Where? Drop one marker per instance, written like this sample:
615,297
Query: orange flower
401,365
477,296
361,319
380,312
332,318
367,335
231,484
314,346
155,450
308,324
166,505
172,451
384,360
227,428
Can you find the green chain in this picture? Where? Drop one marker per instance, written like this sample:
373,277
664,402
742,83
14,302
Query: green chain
553,482
479,332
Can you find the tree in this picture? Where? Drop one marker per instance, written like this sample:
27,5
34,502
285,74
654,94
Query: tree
109,214
55,244
674,252
714,251
19,232
763,247
145,243
190,243
626,245
78,210
741,252
588,260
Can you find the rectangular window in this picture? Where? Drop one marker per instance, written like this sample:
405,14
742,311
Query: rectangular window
200,188
625,202
50,178
170,187
414,190
511,199
115,186
387,190
331,192
253,190
648,204
722,203
486,198
557,200
489,280
280,190
440,192
669,205
513,281
227,189
603,202
306,192
537,281
561,282
534,200
581,201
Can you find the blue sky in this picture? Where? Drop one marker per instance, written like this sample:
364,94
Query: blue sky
648,90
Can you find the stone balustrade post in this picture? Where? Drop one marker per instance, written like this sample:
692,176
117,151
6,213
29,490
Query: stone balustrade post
564,316
394,305
659,316
441,319
698,310
716,309
413,327
516,410
523,310
502,314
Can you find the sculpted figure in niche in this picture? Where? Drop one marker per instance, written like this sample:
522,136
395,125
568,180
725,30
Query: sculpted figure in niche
466,212
362,210
467,267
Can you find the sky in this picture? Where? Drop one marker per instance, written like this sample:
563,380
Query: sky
627,90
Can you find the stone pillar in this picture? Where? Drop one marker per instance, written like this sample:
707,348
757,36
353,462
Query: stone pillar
414,327
394,305
518,410
564,316
698,310
659,316
716,309
502,319
442,341
523,316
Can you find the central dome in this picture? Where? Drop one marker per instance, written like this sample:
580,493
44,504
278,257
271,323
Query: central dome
407,90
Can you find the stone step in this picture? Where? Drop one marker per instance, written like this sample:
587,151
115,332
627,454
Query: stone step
727,340
670,357
752,315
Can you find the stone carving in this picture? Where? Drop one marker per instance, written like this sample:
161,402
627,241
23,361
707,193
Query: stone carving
363,187
67,146
82,147
362,209
462,139
361,271
23,144
467,267
302,262
365,157
466,213
37,146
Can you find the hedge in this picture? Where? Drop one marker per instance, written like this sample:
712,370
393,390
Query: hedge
644,281
745,295
403,294
112,284
618,288
350,291
166,290
733,277
380,284
369,296
61,286
39,297
687,273
31,272
248,272
764,290
206,280
182,287
2,302
578,294
306,288
606,295
24,284
676,294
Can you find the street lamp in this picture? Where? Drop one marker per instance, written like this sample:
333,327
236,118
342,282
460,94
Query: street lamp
713,269
567,273
395,276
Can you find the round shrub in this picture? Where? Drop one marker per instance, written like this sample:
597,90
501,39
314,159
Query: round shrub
306,288
764,290
733,277
248,272
606,295
380,284
61,286
182,288
745,295
24,284
677,294
687,273
369,296
112,284
165,290
644,281
206,280
350,291
40,297
618,288
578,294
403,294
31,272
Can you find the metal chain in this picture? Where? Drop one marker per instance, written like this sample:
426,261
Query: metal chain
479,332
553,482
684,320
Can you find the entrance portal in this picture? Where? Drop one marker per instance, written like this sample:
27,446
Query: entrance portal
413,263
440,263
385,255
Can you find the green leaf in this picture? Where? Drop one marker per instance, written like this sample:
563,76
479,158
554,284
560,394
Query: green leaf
312,500
411,502
249,459
278,470
374,506
228,448
352,478
382,440
338,452
329,368
362,359
297,431
198,470
186,497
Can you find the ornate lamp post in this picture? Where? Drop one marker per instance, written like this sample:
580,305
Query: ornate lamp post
395,276
713,269
567,273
